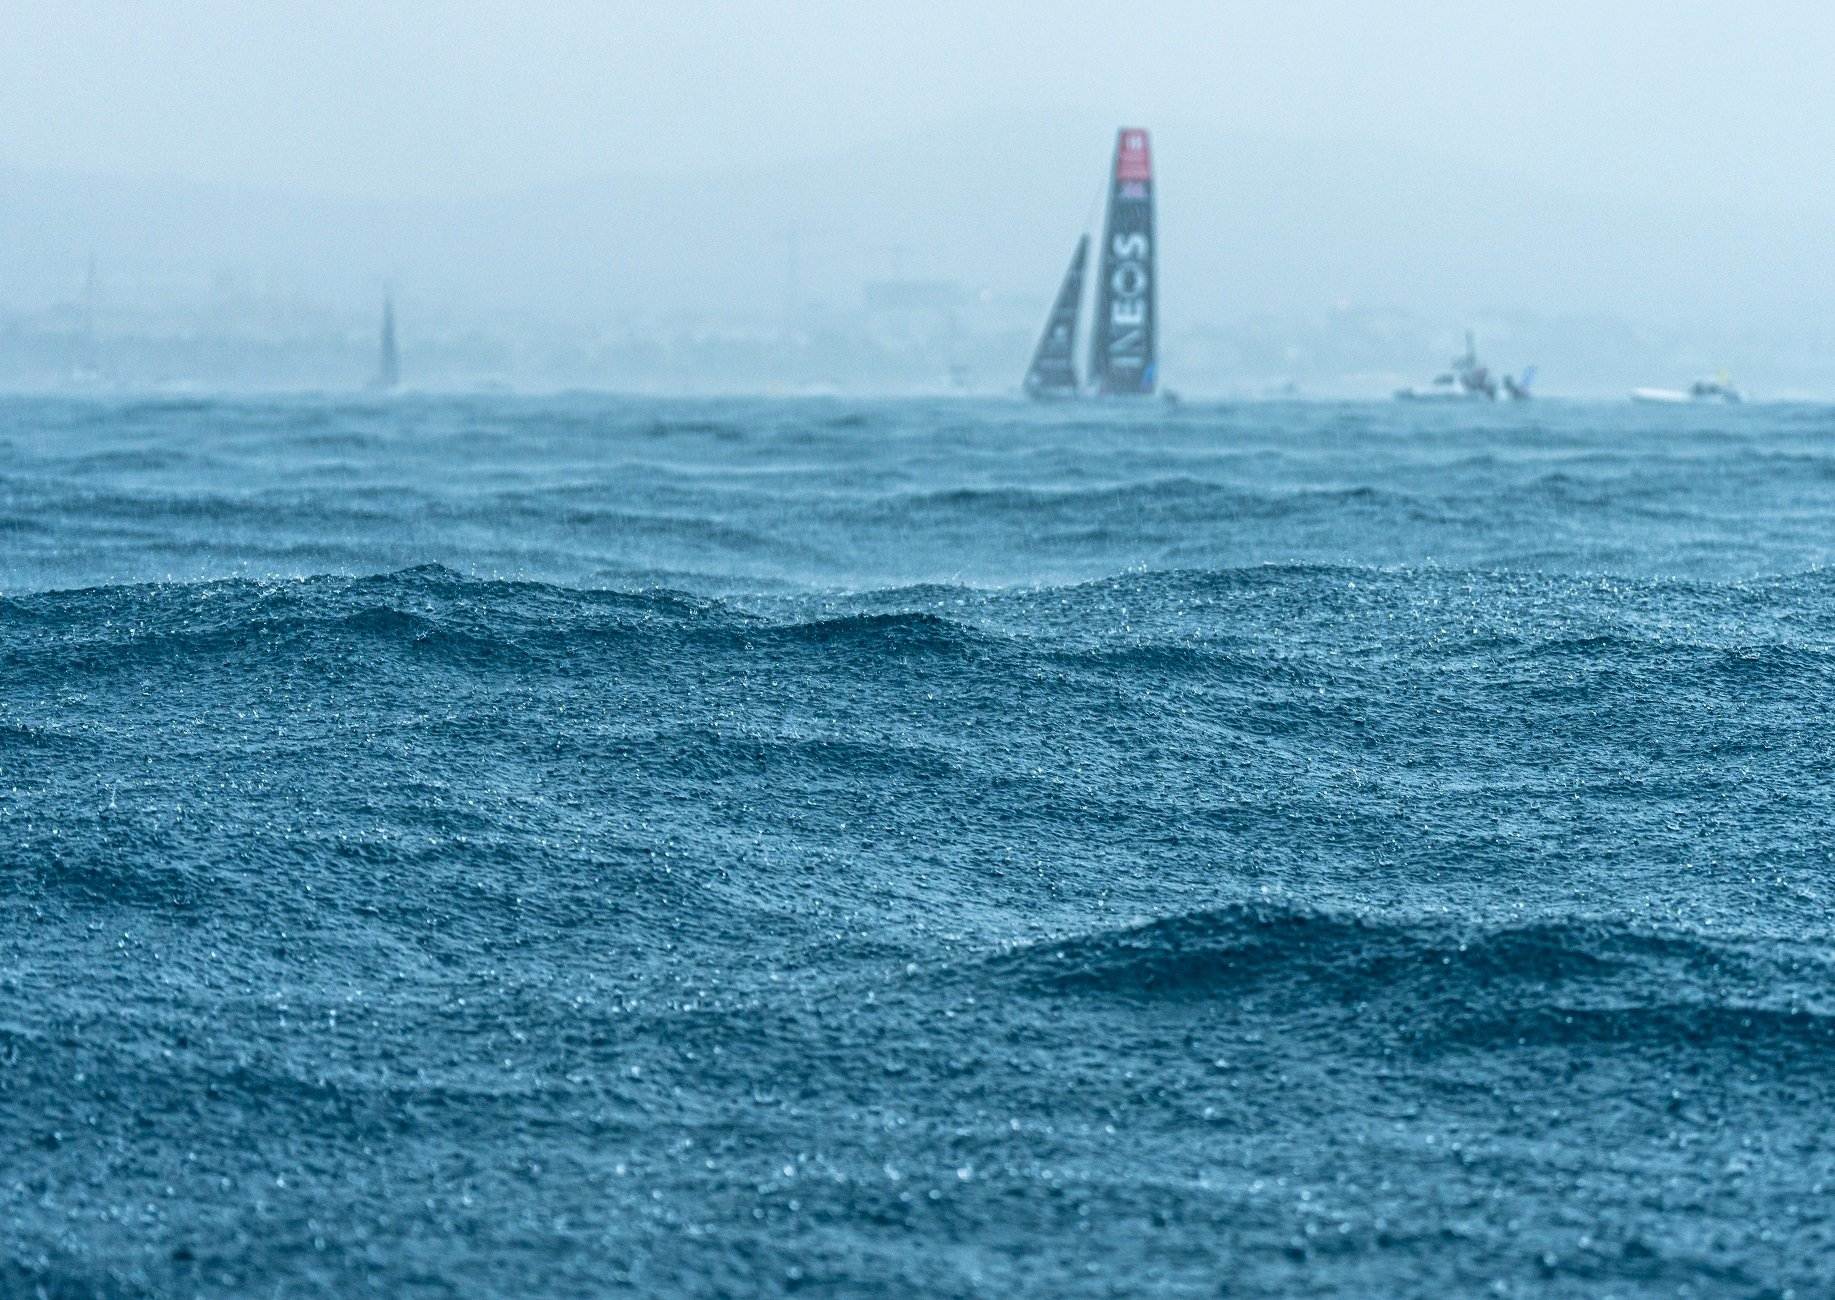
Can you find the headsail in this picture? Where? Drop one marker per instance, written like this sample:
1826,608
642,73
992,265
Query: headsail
1053,372
1123,351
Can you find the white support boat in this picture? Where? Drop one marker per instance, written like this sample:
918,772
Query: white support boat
1470,381
1702,390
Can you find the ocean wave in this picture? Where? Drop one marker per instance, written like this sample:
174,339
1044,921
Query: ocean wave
1744,664
1442,984
1177,621
750,815
427,608
1743,593
1176,495
720,430
26,736
1190,659
1217,951
703,754
897,632
134,460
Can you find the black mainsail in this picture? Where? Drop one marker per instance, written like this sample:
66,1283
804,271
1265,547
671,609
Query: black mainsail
1053,372
1123,355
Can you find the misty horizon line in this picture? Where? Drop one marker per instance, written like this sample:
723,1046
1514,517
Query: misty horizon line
704,254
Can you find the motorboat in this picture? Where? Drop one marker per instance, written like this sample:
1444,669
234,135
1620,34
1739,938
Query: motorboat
1702,390
1469,380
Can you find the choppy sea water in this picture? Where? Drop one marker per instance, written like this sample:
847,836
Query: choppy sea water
587,847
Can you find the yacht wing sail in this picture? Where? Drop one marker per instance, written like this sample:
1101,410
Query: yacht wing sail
1123,344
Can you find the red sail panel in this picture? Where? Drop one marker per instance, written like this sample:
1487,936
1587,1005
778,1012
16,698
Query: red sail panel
1133,156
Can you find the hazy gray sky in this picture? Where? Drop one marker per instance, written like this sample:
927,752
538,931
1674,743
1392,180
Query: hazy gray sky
405,98
620,167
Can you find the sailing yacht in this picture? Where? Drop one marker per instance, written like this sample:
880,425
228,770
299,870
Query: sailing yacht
1123,355
388,361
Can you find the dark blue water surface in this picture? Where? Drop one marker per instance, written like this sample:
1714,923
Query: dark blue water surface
583,847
